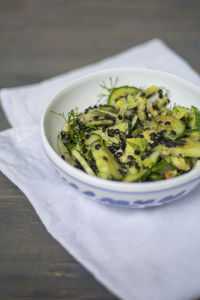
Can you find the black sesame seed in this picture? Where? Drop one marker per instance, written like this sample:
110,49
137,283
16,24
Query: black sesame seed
82,141
167,123
118,154
173,132
98,146
62,156
155,106
84,150
87,136
104,128
137,152
150,95
105,158
117,131
153,136
163,131
160,122
120,117
112,149
130,157
111,133
63,134
137,165
160,92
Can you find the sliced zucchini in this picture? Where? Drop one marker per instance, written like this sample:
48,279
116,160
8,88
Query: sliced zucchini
170,126
141,108
107,166
151,160
77,155
191,148
194,119
180,163
121,94
92,138
134,121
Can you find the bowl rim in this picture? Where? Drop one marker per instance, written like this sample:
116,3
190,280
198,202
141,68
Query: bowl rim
112,185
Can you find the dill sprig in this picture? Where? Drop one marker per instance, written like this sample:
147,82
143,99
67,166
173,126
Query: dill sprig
62,115
76,129
104,86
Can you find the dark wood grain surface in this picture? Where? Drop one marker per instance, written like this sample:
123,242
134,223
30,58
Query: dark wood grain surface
43,38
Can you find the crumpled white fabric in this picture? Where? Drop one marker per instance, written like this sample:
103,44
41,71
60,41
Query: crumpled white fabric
137,254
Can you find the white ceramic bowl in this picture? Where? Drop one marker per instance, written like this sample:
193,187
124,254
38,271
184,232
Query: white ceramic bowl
83,93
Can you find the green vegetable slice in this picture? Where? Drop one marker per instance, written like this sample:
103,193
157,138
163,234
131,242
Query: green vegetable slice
107,167
194,118
121,94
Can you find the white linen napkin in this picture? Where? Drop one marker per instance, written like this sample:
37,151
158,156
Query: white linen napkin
137,254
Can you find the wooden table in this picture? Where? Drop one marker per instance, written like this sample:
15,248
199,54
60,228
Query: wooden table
43,38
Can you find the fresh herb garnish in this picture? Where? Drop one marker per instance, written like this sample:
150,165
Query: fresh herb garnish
103,85
76,129
62,115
